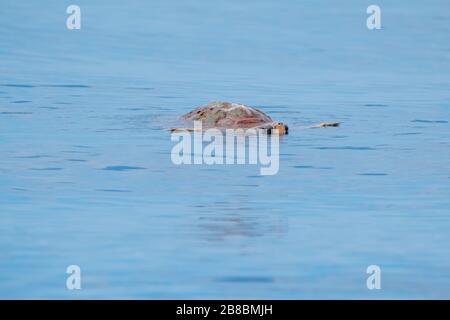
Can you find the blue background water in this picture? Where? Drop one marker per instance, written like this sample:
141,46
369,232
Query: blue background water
85,170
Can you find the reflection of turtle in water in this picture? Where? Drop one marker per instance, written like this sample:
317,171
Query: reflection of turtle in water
225,115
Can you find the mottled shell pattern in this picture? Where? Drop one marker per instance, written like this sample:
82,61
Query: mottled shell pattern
227,115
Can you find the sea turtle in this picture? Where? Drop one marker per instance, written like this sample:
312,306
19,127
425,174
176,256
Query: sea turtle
226,115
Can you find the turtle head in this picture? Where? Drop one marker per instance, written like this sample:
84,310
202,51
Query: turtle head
281,127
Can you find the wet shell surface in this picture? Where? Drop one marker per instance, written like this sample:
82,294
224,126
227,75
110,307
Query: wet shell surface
227,115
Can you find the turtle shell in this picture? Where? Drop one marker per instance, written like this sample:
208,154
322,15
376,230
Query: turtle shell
227,115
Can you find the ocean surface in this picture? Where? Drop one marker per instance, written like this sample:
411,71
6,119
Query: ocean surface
86,176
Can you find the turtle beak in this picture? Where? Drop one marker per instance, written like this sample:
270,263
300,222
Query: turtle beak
282,128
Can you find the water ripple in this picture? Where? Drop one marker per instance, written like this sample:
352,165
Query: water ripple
122,168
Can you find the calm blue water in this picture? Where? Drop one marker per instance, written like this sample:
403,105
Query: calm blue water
85,170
